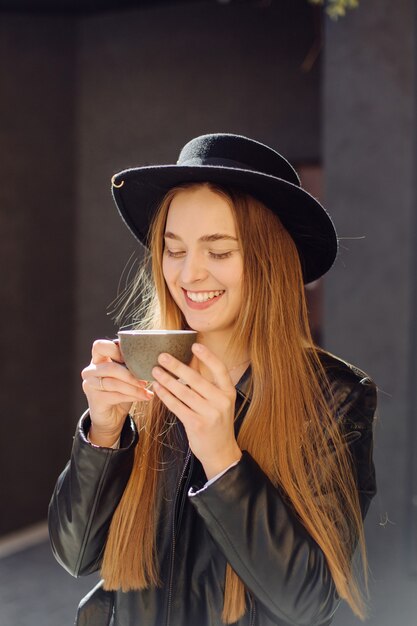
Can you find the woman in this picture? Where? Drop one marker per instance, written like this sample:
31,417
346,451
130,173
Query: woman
235,490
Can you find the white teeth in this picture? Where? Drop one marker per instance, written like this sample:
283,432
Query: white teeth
203,296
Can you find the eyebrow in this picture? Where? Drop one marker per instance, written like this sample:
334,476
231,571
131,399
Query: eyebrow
204,238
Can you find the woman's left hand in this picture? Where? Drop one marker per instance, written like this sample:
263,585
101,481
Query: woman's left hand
206,409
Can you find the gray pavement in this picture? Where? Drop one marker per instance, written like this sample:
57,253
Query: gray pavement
36,591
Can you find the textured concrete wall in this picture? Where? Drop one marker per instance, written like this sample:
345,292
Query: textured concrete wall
80,99
369,159
36,261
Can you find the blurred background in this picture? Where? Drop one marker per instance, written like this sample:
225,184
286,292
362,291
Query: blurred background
89,87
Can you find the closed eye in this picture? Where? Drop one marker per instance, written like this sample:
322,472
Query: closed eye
174,253
220,255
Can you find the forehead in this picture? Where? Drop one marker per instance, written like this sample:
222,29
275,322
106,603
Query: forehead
200,211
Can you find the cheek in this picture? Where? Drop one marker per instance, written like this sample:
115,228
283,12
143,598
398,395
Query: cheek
234,277
238,284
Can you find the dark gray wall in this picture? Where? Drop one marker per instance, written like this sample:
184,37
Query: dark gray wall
80,99
370,168
37,129
151,80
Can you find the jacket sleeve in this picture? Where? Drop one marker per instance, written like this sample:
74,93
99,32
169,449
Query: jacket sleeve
85,498
356,417
264,541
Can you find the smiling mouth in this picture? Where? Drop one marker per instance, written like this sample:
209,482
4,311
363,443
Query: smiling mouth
203,296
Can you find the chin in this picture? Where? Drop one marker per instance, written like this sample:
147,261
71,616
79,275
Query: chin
199,328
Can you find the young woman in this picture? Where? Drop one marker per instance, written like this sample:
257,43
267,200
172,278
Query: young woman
234,490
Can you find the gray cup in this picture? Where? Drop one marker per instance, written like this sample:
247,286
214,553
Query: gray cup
141,348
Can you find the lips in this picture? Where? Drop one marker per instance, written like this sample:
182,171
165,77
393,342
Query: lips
203,296
202,299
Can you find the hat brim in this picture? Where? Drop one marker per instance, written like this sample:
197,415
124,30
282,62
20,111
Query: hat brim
139,191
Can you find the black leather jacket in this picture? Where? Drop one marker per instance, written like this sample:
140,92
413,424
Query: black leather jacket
240,518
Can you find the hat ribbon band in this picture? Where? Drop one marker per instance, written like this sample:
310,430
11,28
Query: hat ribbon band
196,161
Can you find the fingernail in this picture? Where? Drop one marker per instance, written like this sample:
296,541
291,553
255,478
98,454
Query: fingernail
198,347
157,371
164,358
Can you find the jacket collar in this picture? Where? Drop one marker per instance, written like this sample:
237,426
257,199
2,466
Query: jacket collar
243,384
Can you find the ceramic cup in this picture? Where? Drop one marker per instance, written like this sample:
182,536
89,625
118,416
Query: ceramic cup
141,348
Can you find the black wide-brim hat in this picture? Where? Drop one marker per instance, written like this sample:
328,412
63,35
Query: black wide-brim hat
240,163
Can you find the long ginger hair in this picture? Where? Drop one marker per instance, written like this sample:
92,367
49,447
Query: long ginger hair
289,428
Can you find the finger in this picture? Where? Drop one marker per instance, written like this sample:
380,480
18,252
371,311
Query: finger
217,401
112,370
113,385
220,373
173,404
187,375
221,376
108,384
105,350
113,398
177,388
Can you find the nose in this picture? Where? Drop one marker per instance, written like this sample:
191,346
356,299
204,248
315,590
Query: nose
193,268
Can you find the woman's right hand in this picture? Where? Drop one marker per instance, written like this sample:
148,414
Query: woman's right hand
111,390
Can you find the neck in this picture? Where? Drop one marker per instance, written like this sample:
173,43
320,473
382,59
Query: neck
236,361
